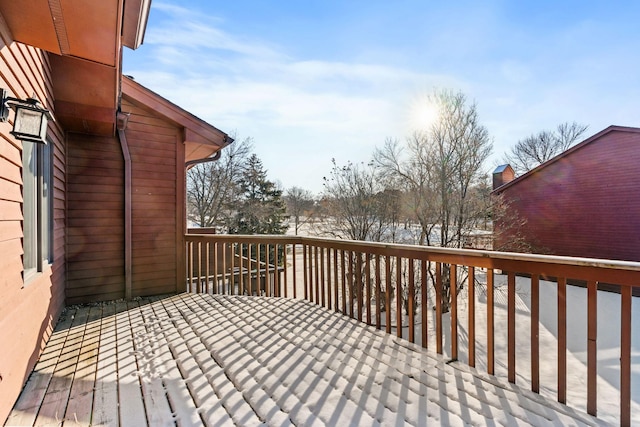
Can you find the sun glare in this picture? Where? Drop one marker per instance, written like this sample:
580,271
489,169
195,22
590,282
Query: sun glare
422,115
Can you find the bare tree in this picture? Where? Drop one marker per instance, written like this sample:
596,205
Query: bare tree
300,204
350,197
538,148
213,186
439,168
356,209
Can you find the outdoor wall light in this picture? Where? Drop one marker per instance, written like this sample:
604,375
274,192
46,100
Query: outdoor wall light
30,123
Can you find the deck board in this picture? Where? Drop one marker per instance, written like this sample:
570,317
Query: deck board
149,351
131,404
26,408
78,411
105,397
219,360
55,402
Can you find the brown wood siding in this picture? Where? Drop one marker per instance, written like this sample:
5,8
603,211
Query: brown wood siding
95,244
587,203
152,144
28,311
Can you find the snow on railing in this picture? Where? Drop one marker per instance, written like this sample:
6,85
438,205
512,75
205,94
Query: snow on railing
458,299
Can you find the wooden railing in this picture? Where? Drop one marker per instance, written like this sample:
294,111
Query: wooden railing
382,284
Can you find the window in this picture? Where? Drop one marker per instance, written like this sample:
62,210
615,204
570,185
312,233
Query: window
37,208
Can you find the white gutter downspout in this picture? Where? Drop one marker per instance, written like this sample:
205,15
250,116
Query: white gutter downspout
122,119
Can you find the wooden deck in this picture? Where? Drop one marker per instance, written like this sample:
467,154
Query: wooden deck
236,360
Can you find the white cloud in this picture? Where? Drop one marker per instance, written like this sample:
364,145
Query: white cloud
304,111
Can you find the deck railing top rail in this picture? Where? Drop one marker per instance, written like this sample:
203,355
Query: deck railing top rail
607,271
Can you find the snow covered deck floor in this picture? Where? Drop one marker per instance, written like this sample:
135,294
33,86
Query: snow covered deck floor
234,360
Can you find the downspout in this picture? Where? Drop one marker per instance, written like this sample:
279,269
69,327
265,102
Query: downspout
122,120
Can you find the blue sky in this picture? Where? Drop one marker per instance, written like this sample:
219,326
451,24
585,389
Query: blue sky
314,80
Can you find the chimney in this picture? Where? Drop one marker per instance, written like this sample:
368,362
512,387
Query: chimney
502,175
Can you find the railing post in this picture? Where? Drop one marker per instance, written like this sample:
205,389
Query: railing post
378,285
535,329
424,302
367,278
562,340
625,356
438,307
472,317
592,347
399,297
410,301
388,291
453,292
490,320
336,280
511,327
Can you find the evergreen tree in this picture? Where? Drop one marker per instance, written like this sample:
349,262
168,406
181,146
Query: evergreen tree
260,207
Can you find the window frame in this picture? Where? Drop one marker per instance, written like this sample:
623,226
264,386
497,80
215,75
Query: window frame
37,208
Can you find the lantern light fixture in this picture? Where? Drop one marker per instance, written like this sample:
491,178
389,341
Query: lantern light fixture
30,122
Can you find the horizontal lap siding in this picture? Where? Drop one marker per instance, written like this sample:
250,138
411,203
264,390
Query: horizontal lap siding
95,220
28,311
152,145
587,203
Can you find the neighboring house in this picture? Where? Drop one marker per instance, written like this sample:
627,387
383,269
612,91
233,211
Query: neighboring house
98,212
583,202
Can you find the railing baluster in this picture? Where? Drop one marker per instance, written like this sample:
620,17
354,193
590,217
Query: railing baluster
242,271
453,291
232,276
343,276
439,308
329,282
190,282
259,270
267,264
285,262
336,281
359,283
625,356
378,285
310,253
305,271
198,286
592,347
490,320
562,340
250,270
294,278
215,267
387,302
411,297
350,279
472,317
424,302
367,278
316,271
535,333
208,268
322,278
511,327
224,265
276,270
399,297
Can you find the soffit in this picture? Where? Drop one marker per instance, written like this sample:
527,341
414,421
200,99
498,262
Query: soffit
88,29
